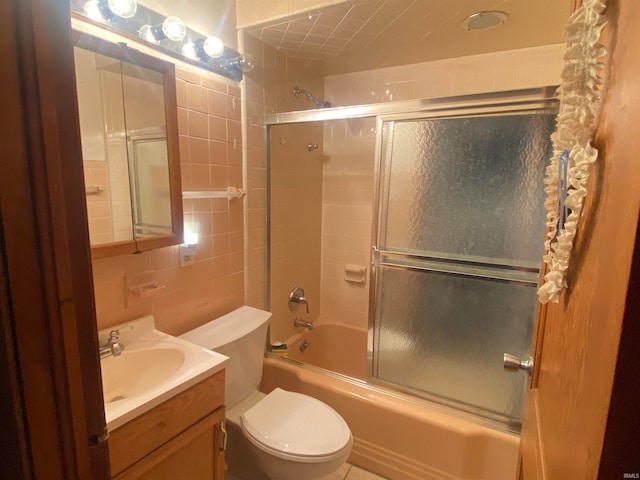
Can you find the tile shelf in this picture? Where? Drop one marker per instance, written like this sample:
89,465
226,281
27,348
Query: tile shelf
231,192
93,190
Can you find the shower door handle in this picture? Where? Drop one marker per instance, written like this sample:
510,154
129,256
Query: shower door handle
512,363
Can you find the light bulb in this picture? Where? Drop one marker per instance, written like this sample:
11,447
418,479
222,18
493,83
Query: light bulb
104,10
243,62
174,28
146,33
123,8
246,63
190,50
191,238
92,10
213,47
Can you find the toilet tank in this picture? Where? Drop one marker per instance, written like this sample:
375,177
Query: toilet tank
240,335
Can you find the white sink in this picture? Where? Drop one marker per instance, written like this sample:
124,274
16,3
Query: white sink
135,372
152,368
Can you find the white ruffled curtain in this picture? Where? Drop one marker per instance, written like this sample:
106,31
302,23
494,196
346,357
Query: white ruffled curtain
566,177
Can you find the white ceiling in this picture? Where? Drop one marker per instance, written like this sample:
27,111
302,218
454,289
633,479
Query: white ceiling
366,34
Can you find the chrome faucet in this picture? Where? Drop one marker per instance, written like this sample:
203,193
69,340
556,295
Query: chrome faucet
298,322
113,346
297,298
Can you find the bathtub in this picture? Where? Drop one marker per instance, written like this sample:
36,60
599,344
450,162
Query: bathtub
395,435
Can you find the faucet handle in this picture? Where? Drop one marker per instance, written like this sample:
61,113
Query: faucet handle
114,335
112,345
303,300
296,297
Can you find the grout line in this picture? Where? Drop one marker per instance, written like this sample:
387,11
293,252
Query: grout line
346,474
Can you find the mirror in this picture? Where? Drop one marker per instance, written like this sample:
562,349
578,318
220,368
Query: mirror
128,128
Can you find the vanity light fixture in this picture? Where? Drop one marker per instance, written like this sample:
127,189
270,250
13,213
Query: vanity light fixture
104,10
188,249
132,18
172,28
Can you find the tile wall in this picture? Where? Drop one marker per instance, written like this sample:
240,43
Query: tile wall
491,72
209,114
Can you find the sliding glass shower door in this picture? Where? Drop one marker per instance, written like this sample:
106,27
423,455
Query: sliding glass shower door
457,256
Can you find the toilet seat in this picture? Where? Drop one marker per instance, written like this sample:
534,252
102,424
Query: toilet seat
296,427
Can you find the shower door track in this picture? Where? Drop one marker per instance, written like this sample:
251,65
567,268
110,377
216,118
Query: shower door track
535,98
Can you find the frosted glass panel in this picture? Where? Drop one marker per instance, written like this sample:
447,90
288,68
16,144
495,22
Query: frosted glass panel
444,335
464,198
468,186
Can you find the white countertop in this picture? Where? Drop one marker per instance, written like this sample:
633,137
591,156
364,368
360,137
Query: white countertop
139,337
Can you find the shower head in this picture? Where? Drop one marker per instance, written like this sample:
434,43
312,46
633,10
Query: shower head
319,103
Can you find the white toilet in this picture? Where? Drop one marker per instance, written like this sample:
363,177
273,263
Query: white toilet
293,436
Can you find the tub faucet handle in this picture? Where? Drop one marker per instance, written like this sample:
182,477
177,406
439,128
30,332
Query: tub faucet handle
305,301
296,298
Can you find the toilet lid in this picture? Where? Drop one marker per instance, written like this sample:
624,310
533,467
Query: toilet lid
295,425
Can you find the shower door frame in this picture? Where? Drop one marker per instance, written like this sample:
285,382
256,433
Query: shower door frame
523,100
526,272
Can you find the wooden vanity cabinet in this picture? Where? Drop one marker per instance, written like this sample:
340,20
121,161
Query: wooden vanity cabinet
182,438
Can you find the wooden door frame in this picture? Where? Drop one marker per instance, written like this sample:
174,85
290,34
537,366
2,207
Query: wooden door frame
621,448
47,314
619,451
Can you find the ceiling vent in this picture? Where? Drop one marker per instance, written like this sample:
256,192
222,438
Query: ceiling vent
484,20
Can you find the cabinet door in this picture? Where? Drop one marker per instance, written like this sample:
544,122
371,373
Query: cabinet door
150,431
193,455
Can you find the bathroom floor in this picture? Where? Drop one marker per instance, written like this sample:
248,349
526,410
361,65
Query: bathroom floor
346,472
351,472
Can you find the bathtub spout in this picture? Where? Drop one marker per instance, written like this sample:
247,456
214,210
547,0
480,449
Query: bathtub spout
298,322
